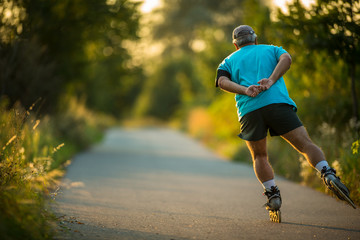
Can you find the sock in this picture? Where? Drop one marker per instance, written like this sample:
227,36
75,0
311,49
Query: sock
320,165
269,184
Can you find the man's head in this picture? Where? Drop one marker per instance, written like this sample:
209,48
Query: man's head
243,35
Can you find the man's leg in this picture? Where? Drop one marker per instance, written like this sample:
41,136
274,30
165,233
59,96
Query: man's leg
262,167
265,174
300,140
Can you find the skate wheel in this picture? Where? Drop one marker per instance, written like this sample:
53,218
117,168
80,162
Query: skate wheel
275,216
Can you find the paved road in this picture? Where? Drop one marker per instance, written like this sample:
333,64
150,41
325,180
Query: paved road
159,184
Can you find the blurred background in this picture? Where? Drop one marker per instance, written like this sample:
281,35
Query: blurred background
70,69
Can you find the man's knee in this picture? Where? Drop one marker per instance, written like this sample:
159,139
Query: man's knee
257,148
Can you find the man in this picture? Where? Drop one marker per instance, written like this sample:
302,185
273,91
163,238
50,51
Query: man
255,74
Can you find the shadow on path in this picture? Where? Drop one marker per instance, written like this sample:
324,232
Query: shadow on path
321,227
70,228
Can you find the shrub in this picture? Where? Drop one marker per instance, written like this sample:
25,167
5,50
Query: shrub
32,153
24,168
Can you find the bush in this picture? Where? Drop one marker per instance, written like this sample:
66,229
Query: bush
32,153
350,170
24,171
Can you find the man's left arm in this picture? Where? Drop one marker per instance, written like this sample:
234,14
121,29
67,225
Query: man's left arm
281,68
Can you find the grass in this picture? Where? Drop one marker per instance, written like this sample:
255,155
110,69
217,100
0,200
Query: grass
32,155
23,177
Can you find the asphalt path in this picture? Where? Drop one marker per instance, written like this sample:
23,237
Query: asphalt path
156,183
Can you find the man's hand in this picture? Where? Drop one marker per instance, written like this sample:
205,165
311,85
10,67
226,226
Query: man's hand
265,83
281,68
253,90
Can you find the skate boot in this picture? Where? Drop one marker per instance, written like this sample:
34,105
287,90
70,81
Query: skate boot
274,203
335,185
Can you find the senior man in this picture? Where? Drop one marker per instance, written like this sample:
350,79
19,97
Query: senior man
255,74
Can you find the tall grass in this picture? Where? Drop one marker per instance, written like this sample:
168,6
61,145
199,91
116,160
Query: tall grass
23,169
32,153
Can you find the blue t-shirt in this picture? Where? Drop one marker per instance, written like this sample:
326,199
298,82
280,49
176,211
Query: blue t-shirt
249,65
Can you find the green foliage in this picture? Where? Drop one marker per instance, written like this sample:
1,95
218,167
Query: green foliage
349,167
182,21
328,25
161,96
319,92
52,48
23,180
28,74
77,125
111,88
32,152
332,27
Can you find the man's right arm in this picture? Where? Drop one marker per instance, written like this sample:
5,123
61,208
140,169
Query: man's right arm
229,86
281,68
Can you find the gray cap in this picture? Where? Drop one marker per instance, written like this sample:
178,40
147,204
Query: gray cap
241,31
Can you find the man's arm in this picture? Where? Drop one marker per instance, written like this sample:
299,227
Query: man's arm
229,86
281,68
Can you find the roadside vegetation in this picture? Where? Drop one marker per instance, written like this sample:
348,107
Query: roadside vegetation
65,75
34,152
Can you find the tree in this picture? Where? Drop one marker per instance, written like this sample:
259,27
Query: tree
331,26
28,74
83,42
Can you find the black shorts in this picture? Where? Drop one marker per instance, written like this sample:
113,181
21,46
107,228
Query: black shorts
279,118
